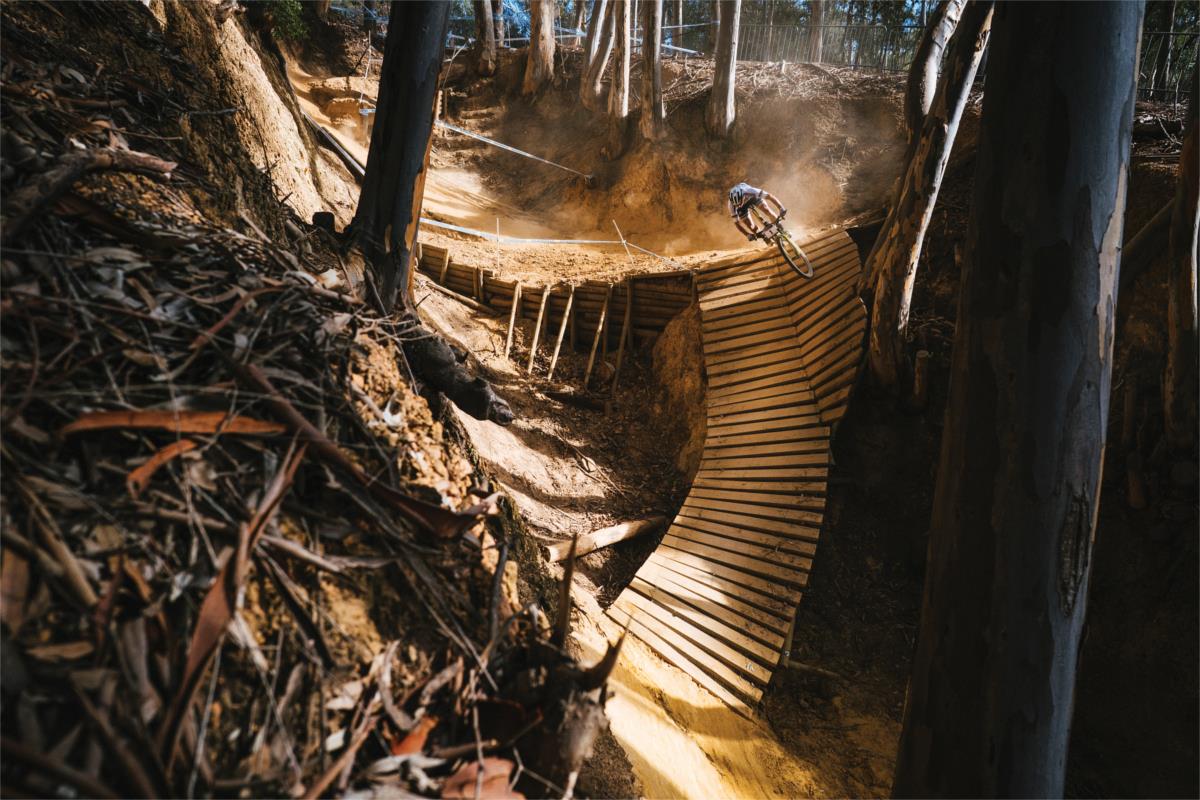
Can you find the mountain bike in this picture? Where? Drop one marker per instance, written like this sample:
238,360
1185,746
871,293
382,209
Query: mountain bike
774,232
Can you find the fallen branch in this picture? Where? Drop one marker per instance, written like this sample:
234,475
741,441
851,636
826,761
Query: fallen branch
25,203
442,522
173,421
604,537
470,303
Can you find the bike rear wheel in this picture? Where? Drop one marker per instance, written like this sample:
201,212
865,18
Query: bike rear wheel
793,255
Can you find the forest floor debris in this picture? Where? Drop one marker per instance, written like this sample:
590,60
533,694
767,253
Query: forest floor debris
234,536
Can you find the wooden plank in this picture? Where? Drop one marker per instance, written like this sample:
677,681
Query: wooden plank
760,315
596,341
795,402
713,620
759,289
791,369
813,487
799,528
699,670
797,393
513,315
775,518
660,608
759,544
562,329
781,608
761,420
766,586
766,351
747,460
744,473
765,548
815,433
783,321
785,567
686,586
783,334
812,498
724,315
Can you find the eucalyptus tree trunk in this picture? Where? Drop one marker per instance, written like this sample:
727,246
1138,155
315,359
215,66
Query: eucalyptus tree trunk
498,21
923,74
389,206
485,38
816,34
1183,349
653,113
599,49
618,92
989,707
577,23
721,112
892,263
539,64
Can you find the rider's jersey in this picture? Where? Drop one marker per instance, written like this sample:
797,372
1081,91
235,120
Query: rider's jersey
750,198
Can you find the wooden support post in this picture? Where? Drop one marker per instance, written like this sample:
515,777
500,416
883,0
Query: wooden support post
574,330
420,254
562,329
513,315
587,374
537,328
477,278
445,267
624,333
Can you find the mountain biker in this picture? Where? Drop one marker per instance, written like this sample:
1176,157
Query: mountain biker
744,197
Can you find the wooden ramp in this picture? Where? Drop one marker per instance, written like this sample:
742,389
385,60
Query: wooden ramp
719,595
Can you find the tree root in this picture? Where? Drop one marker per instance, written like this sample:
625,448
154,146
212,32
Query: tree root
434,363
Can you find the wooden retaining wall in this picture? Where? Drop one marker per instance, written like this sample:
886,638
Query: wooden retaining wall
657,298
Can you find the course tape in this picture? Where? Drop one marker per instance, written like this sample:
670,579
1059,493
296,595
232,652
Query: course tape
509,148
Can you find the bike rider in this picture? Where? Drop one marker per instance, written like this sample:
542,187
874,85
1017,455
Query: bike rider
744,197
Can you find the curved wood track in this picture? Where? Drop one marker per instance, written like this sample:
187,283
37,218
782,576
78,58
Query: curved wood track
719,595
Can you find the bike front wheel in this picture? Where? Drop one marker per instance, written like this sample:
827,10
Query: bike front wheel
793,255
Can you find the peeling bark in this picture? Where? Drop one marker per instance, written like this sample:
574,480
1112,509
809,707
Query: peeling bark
816,36
721,111
539,65
618,91
653,113
599,49
923,74
990,702
485,38
892,265
389,207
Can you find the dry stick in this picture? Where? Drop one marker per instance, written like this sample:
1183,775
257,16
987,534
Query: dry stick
53,541
587,374
537,328
16,751
474,305
24,204
562,329
591,542
513,314
624,333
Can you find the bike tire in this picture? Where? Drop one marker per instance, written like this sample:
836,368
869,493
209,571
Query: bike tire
791,253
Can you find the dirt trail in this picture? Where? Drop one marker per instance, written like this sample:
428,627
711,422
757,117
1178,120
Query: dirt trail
569,471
